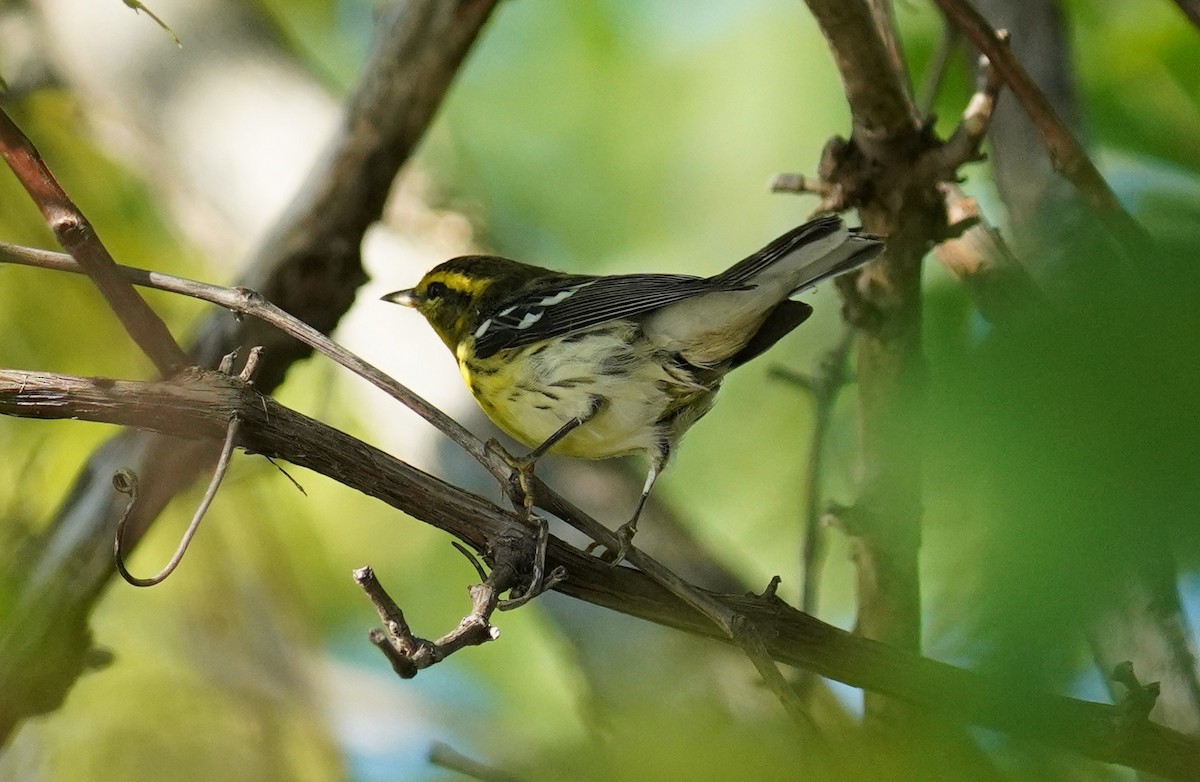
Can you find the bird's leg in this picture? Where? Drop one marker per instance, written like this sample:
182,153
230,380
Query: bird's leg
523,465
627,530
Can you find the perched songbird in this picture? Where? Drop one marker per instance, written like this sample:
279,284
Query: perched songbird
595,367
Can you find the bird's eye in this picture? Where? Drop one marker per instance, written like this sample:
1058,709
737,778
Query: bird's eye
435,290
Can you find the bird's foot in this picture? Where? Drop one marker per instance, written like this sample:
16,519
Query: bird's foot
625,535
522,477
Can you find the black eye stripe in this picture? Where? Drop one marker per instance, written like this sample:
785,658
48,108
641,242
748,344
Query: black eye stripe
435,290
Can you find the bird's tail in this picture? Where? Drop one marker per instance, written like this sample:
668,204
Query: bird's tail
803,257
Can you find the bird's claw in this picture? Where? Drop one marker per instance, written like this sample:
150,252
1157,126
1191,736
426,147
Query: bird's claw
522,467
625,535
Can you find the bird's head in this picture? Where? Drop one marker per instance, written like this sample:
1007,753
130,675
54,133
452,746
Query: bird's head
454,295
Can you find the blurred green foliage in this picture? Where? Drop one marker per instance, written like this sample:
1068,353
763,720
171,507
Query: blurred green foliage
603,136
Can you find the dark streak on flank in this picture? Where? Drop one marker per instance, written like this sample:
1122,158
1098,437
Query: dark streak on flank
480,369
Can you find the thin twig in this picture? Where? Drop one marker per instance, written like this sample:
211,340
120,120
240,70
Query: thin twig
1066,153
77,236
964,143
780,687
125,482
409,654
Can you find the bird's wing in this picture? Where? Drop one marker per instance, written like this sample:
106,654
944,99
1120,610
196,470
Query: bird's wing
577,303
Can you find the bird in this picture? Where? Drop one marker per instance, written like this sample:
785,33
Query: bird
604,366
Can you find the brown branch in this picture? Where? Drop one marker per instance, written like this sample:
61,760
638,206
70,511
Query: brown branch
310,266
409,654
981,259
878,100
976,253
884,14
964,143
1066,153
879,171
199,403
77,236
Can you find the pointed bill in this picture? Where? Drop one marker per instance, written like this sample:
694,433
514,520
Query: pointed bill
406,298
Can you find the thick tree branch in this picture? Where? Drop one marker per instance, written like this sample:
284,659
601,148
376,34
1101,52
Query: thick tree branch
199,403
876,171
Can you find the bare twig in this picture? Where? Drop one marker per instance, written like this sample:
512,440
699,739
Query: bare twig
780,687
199,403
126,483
408,653
77,236
137,6
1066,153
964,143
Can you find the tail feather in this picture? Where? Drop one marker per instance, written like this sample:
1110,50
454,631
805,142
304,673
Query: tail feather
747,309
821,232
858,250
805,256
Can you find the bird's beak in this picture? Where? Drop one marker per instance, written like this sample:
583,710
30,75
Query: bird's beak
407,298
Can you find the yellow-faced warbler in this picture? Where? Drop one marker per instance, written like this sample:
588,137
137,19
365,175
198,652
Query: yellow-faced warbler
595,367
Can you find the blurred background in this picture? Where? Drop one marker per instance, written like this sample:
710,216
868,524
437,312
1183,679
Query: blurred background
594,136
